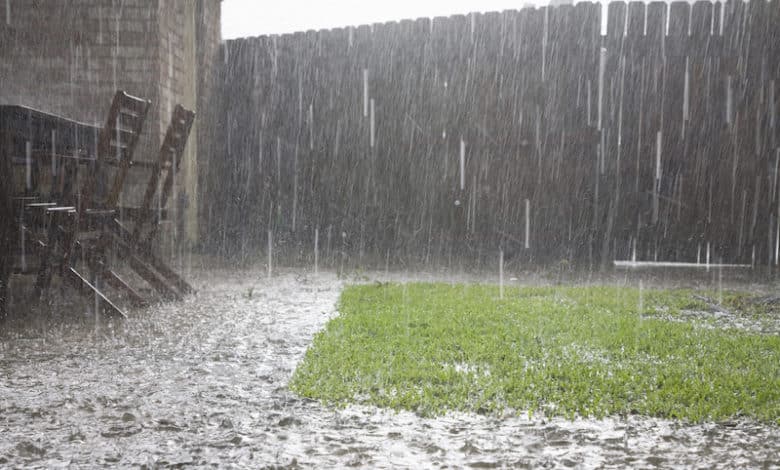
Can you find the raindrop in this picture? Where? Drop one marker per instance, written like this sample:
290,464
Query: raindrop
53,153
602,68
295,188
270,253
501,273
229,133
300,97
538,135
601,148
462,164
590,120
316,249
327,246
28,164
686,94
274,67
118,136
527,224
337,139
260,151
373,128
115,51
771,241
311,126
729,99
625,24
23,240
100,25
171,43
279,167
473,18
777,241
365,92
641,306
544,40
667,17
772,107
446,157
658,144
97,305
603,16
657,185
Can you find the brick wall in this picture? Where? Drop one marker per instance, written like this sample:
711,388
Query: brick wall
69,57
208,53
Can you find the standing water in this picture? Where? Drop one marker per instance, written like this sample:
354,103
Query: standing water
204,382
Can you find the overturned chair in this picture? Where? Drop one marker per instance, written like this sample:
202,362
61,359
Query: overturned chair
84,236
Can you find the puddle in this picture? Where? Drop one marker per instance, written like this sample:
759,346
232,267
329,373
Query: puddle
203,382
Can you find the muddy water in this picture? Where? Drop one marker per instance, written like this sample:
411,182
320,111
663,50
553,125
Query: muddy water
203,382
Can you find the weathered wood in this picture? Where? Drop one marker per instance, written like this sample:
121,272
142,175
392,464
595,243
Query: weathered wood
86,289
517,88
61,235
117,282
143,270
6,215
169,158
142,260
126,112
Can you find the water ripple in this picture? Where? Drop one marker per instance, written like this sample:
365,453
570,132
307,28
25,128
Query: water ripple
203,382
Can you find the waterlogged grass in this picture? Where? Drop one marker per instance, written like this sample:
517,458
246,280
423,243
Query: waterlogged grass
589,351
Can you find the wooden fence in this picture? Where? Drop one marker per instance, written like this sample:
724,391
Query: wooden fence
528,130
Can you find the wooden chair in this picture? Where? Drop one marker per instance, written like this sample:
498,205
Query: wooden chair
84,228
135,246
147,221
79,235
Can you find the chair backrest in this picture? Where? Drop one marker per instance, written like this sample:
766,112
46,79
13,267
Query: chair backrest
174,143
116,146
171,152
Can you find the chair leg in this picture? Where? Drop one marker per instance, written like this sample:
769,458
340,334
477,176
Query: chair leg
139,260
115,281
5,278
149,276
86,288
43,280
169,274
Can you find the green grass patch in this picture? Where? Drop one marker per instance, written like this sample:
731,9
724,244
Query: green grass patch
567,351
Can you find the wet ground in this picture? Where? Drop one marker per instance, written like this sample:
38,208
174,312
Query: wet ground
203,383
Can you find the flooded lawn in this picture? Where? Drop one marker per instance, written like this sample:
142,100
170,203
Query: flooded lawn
204,382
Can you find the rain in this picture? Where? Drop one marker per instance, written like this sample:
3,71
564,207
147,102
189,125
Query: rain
185,218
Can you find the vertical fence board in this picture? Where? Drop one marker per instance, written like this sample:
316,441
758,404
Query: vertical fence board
541,118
